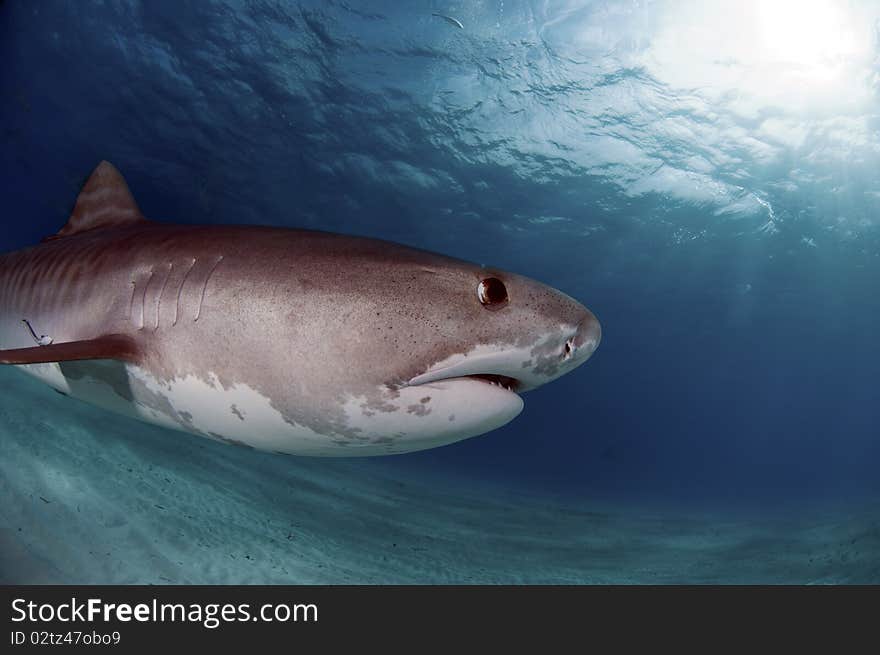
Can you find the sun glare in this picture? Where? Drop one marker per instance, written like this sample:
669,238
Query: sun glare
816,36
801,55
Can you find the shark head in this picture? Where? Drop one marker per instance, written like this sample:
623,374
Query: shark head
464,344
553,334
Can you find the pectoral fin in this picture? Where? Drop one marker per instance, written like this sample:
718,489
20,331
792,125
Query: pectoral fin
111,346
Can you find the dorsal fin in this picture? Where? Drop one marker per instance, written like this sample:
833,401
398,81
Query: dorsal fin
104,201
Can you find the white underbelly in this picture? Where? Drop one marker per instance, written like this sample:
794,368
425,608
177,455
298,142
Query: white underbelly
242,415
238,415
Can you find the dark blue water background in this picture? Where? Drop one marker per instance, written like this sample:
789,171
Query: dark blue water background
727,240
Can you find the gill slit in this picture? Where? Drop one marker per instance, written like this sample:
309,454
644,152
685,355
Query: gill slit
205,287
144,301
162,293
131,300
180,290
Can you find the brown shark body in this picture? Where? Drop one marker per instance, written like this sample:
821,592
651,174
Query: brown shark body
285,340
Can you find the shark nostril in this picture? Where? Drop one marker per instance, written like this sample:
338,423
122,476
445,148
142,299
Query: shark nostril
568,349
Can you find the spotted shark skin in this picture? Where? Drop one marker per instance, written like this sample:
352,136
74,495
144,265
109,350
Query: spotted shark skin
290,341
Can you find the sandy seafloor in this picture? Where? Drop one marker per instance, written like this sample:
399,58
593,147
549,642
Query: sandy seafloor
92,498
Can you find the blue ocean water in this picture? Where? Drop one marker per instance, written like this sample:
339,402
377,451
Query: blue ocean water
703,176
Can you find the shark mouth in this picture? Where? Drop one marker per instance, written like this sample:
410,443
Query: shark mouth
486,370
495,379
503,381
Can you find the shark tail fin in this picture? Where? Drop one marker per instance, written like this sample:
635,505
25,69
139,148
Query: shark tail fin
104,201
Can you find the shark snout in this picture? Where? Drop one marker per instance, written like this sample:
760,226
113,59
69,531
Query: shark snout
561,350
580,346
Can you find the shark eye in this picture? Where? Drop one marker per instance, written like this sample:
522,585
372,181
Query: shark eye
492,292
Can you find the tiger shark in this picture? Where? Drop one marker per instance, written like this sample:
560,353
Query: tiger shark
291,341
